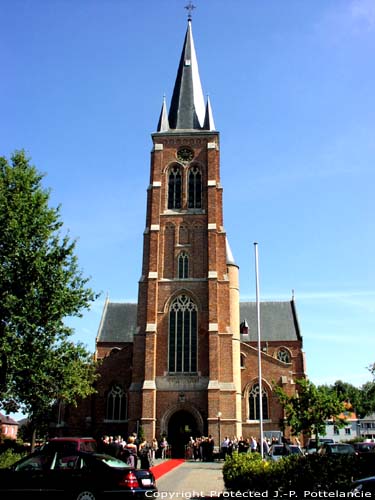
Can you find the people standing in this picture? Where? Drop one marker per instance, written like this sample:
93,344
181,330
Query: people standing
154,449
130,452
164,447
253,444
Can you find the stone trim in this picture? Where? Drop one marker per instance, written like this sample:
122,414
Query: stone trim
153,275
211,226
158,147
151,327
149,384
155,227
212,274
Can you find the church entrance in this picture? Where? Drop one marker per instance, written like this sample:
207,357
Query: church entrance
181,426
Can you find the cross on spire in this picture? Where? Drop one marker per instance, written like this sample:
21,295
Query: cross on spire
190,7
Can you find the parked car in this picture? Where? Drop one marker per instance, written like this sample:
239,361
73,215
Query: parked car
364,485
278,451
311,446
74,475
87,444
364,447
336,449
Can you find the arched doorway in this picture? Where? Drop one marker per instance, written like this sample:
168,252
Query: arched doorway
181,426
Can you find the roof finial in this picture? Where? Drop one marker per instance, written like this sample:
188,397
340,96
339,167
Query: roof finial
190,7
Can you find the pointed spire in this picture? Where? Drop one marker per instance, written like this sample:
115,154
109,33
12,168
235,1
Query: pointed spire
209,118
163,124
230,258
187,106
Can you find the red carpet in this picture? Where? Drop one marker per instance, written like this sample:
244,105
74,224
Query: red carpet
164,467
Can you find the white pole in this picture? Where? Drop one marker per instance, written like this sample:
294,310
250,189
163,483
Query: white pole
259,352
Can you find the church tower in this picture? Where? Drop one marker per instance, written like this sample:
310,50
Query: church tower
186,355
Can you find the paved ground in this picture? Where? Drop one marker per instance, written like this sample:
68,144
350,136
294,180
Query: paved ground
192,479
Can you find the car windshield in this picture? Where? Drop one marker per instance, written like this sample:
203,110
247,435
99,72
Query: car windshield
341,448
112,461
295,449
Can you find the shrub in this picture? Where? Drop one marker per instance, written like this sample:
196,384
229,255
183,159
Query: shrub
9,457
295,475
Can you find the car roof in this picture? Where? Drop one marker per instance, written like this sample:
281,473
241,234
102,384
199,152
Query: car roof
72,438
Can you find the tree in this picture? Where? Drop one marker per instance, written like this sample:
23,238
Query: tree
41,286
361,400
308,410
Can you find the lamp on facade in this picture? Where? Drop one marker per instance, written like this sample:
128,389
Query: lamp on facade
219,431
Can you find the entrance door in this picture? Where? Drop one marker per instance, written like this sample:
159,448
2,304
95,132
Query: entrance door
181,426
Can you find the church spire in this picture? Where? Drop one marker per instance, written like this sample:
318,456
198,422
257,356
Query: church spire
187,110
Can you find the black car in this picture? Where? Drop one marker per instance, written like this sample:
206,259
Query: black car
365,485
336,449
74,476
364,447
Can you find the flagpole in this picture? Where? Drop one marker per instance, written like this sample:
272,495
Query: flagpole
259,351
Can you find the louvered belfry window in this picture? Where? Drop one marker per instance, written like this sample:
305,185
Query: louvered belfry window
195,188
175,188
183,328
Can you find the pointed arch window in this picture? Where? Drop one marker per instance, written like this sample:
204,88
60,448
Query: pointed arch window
183,265
195,188
174,188
183,328
254,403
117,404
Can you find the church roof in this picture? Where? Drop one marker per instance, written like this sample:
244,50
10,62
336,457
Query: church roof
278,322
187,110
119,322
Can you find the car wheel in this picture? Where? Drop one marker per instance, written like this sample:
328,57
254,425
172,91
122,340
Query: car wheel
85,495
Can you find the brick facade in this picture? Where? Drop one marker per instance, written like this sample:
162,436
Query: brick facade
185,398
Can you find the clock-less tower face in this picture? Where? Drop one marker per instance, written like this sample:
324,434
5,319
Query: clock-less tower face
185,154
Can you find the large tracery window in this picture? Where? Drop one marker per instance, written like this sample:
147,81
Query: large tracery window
116,404
195,188
183,265
183,327
174,187
254,400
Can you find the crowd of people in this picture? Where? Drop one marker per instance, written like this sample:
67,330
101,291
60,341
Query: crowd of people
202,448
135,452
141,453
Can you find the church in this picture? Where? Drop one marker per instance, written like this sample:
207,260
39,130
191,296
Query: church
184,360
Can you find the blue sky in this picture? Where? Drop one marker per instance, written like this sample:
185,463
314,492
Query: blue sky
292,89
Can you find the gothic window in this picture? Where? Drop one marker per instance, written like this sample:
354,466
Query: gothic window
254,401
116,404
183,328
195,188
283,355
174,188
183,265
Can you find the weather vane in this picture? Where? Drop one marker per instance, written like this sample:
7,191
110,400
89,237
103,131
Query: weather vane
190,7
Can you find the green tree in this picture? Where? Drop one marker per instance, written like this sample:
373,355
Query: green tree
41,286
361,399
308,410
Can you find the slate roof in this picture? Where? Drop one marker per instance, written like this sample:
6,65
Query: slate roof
5,419
278,321
119,322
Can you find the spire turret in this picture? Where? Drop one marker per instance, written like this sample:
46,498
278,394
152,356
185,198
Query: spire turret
163,124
